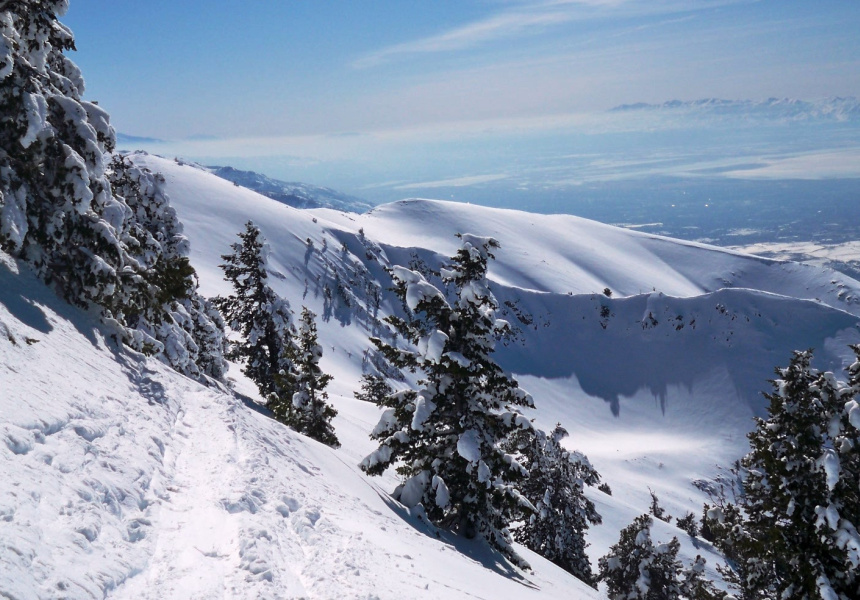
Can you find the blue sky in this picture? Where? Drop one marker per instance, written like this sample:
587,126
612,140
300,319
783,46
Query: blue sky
321,85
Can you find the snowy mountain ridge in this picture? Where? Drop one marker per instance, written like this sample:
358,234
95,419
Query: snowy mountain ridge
299,195
132,481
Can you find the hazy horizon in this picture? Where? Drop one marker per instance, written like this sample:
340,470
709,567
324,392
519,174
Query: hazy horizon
459,99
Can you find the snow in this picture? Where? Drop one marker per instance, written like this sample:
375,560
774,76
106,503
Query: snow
81,192
443,498
299,195
13,217
468,446
131,481
121,479
36,108
478,243
661,406
853,410
825,590
433,346
826,516
413,490
424,407
6,60
483,472
458,358
830,464
420,291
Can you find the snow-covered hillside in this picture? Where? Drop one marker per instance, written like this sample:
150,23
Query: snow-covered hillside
131,481
120,478
721,320
299,195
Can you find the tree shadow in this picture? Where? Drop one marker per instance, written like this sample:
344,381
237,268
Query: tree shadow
141,377
251,404
23,295
21,308
477,549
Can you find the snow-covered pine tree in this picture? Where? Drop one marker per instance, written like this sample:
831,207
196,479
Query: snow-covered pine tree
262,319
839,519
688,523
635,569
794,533
374,388
724,525
56,208
693,584
199,317
158,300
656,510
791,515
844,428
309,412
447,435
59,213
556,477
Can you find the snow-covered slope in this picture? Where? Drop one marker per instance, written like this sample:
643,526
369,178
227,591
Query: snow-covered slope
299,195
131,481
662,400
120,478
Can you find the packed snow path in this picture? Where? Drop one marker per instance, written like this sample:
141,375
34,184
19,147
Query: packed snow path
196,552
250,514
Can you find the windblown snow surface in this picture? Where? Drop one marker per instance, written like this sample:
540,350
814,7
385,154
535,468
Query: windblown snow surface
121,479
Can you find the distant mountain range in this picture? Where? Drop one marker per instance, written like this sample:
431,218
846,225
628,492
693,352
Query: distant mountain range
124,139
298,195
829,109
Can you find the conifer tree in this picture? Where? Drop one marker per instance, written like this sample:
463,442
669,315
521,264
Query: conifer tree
556,477
60,214
688,523
446,436
845,429
795,531
787,492
56,208
725,525
374,389
635,569
262,319
694,586
309,413
656,510
158,299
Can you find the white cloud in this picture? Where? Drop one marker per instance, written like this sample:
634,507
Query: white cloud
499,26
813,165
456,182
531,18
